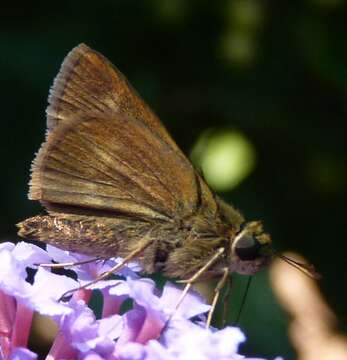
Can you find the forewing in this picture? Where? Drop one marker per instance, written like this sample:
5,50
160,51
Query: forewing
113,164
90,84
106,150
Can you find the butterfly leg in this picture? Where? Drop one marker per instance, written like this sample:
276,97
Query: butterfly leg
116,268
217,290
209,263
68,264
226,301
189,282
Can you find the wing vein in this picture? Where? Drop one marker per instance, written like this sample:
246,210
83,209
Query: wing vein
143,157
149,173
90,164
66,191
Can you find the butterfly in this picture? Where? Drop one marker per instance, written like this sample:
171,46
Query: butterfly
114,183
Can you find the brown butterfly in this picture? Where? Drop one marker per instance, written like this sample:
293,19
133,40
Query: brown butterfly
114,183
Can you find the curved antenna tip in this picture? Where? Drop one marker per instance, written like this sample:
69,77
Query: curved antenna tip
307,269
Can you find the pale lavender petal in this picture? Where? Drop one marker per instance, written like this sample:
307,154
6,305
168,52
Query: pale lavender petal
151,311
174,330
118,288
12,276
156,351
111,326
143,291
43,295
63,256
29,255
193,304
126,271
47,290
6,246
90,271
133,351
184,340
134,266
101,284
20,353
92,356
141,325
79,326
87,334
226,341
133,321
87,272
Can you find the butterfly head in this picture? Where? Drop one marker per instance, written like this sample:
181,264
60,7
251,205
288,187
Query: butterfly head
250,249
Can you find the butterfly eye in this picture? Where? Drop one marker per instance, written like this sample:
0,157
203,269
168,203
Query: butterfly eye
247,247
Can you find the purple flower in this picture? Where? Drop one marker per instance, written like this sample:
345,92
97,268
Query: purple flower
151,329
20,353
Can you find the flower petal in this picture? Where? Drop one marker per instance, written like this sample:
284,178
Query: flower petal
20,353
87,334
29,255
47,290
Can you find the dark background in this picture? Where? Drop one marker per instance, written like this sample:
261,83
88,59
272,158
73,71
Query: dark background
277,72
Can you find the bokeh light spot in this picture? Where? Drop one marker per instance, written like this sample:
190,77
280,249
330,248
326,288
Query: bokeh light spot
238,47
225,158
245,14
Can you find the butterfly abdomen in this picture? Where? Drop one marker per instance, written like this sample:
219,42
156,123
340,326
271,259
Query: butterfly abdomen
85,237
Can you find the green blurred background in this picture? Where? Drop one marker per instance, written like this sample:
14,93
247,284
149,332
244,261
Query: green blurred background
255,91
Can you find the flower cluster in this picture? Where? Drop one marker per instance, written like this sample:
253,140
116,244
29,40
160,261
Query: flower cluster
151,330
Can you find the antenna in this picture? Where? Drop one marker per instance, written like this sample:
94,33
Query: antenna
307,269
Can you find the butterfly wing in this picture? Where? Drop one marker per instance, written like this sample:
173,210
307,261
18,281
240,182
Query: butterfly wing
105,150
89,83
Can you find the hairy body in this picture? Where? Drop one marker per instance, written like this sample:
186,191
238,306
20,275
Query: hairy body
114,183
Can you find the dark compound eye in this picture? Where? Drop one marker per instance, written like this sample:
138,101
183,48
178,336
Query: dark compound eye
247,248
